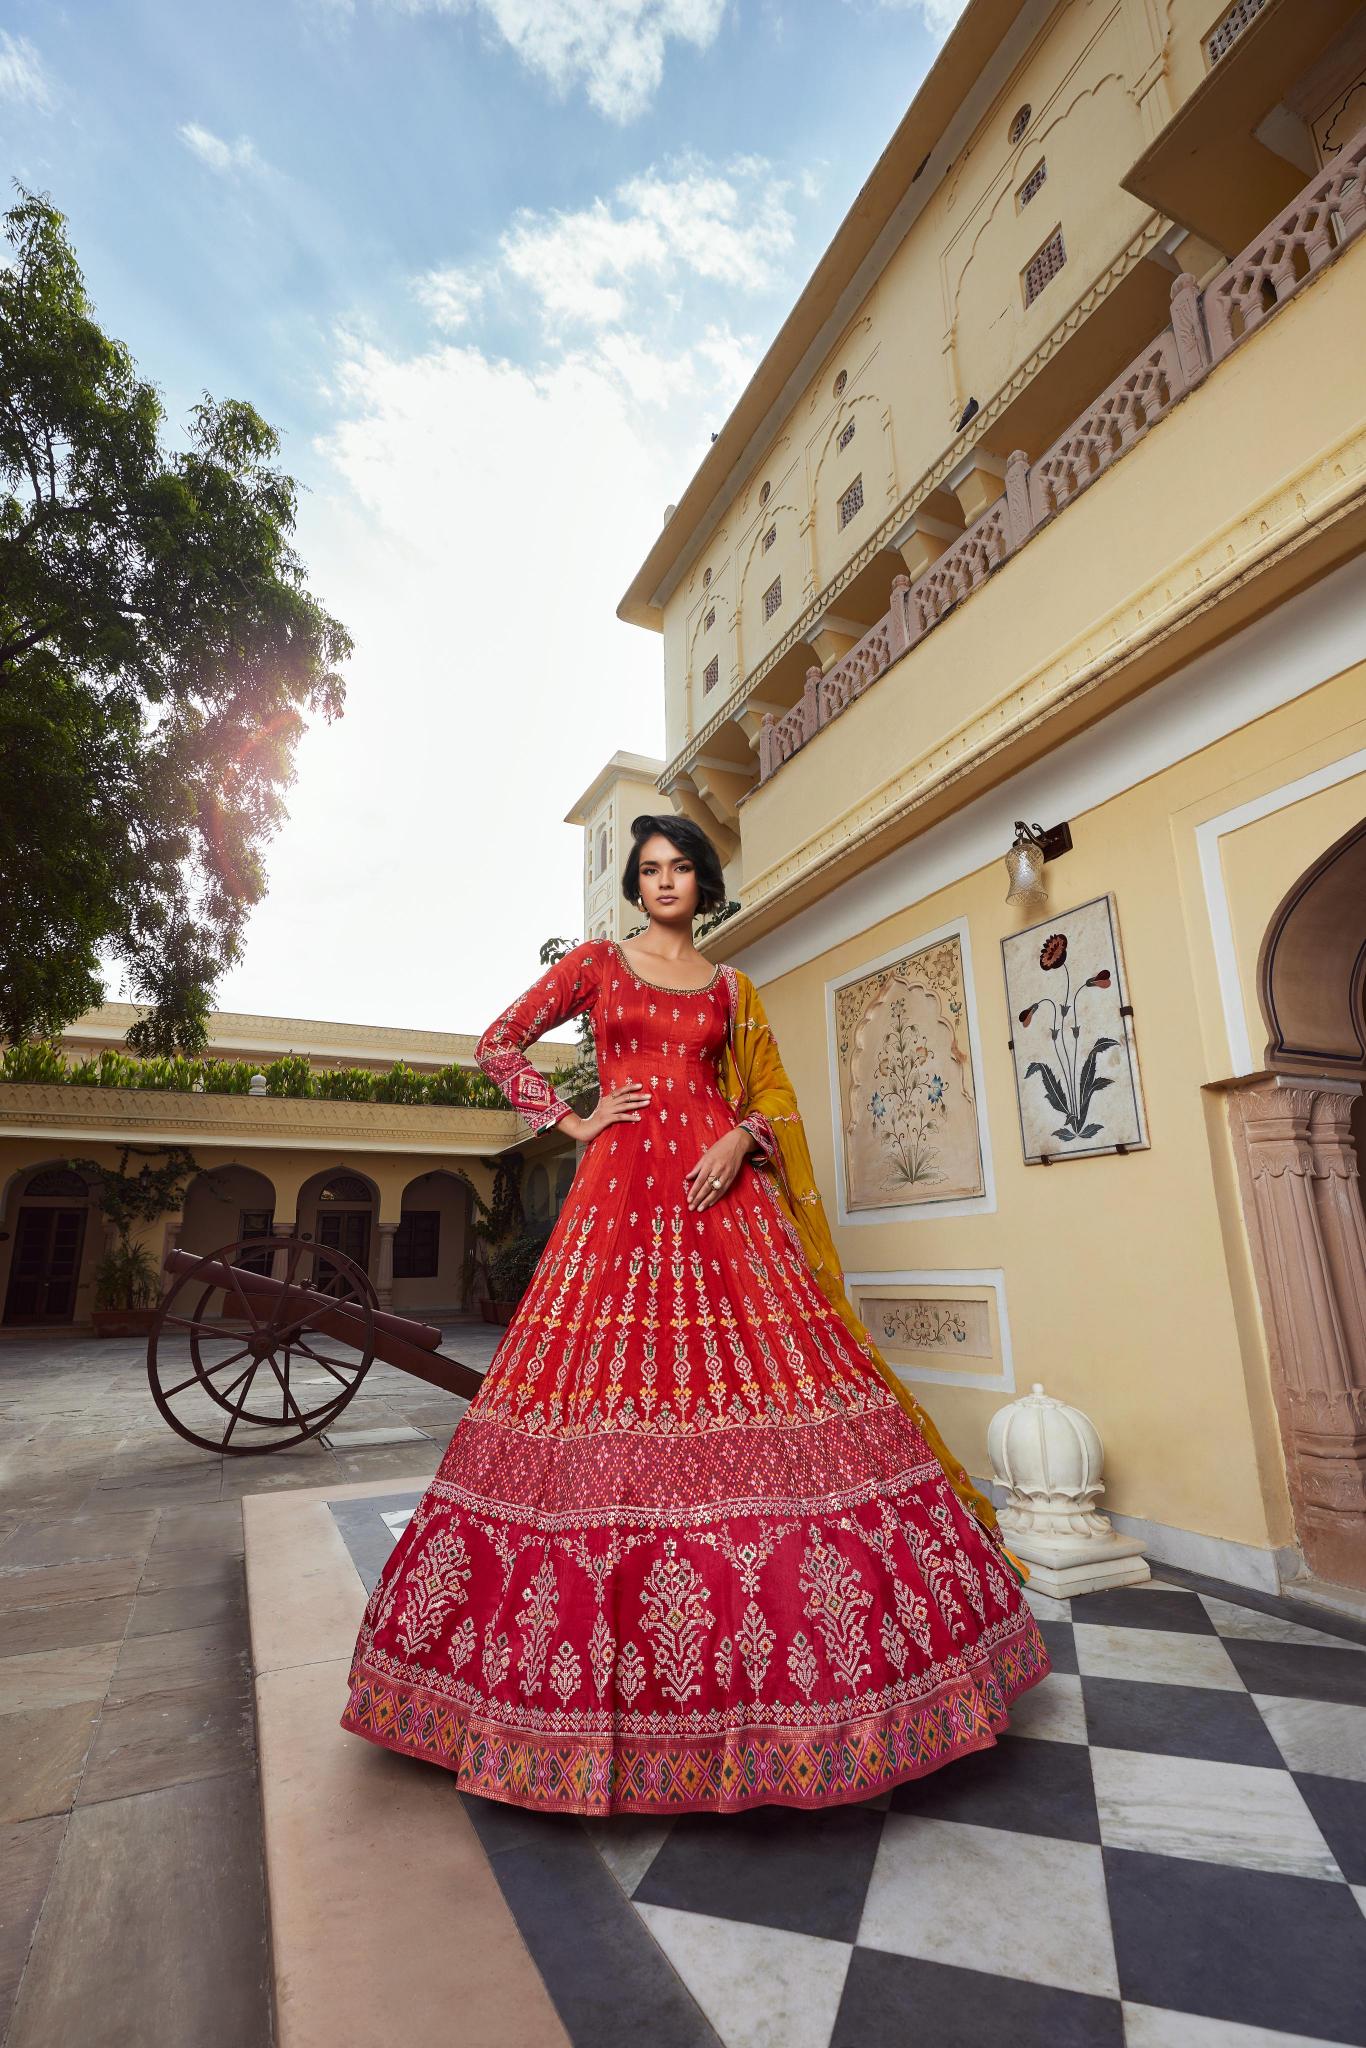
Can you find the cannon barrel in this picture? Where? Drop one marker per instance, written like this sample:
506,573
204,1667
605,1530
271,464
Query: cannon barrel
310,1301
401,1341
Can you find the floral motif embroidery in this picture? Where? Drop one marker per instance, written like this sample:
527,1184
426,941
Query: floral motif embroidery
893,1643
802,1667
968,1574
756,1640
540,1608
675,1614
630,1673
436,1584
836,1598
602,1652
565,1672
497,1655
938,1575
913,1610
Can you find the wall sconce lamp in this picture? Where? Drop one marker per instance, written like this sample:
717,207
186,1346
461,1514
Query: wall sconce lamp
1024,862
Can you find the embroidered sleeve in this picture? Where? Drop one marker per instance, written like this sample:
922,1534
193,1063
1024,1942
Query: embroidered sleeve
760,1127
565,990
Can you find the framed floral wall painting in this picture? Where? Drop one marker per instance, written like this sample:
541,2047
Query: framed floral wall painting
1076,1066
906,1085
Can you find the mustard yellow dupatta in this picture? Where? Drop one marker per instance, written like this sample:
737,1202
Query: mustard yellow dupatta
755,1084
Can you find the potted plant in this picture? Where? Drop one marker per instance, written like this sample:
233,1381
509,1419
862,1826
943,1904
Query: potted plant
126,1289
127,1280
511,1265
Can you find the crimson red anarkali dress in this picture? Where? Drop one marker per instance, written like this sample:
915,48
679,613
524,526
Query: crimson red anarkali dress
685,1551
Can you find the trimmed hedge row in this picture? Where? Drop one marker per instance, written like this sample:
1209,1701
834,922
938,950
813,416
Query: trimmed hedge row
41,1062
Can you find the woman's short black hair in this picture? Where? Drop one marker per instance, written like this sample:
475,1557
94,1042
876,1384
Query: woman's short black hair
686,838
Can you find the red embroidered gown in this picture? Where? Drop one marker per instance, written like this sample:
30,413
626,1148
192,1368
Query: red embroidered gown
685,1551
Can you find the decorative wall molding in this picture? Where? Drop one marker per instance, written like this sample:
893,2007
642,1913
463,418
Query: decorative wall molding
116,1115
989,1277
1237,1025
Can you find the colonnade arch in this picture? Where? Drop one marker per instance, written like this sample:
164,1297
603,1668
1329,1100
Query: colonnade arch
1298,1130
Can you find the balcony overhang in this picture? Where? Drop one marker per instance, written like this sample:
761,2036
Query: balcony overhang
1206,170
1198,530
987,42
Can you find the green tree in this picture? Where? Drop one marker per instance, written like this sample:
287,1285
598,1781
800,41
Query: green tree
159,652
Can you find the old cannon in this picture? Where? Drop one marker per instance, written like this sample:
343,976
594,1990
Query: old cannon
281,1331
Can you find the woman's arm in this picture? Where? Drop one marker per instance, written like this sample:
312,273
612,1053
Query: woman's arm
565,990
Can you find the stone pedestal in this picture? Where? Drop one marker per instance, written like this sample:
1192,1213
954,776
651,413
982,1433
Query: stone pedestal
1051,1458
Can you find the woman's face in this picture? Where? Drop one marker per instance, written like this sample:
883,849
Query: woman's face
668,882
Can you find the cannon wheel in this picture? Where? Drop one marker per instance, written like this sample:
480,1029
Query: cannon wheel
260,1361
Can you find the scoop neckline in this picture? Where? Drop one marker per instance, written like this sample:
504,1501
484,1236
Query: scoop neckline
664,987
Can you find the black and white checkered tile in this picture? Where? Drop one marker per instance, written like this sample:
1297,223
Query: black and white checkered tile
1168,1850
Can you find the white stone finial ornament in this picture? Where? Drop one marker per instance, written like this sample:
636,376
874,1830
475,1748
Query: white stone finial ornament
1051,1458
258,1085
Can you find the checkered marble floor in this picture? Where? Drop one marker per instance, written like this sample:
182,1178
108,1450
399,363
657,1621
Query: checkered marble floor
1168,1850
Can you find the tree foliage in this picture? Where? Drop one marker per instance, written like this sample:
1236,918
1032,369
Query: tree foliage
159,654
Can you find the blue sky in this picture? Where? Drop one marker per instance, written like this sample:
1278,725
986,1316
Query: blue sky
496,269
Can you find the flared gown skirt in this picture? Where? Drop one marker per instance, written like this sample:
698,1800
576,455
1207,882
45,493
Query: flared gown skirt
685,1550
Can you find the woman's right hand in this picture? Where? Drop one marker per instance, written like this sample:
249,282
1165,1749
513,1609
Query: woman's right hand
619,1105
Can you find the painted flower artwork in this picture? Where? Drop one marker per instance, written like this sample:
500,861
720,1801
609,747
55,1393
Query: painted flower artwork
1075,1067
1073,1083
907,1106
909,1129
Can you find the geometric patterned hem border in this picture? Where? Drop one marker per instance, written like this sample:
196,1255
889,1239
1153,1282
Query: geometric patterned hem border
595,1776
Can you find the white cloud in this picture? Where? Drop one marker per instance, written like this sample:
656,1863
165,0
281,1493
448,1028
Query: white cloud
658,231
22,77
473,519
227,158
450,296
939,16
614,49
473,523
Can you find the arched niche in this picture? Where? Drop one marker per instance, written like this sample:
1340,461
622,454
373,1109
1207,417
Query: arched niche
223,1204
431,1243
1311,970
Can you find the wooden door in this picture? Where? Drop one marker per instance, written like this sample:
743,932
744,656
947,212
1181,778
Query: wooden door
46,1265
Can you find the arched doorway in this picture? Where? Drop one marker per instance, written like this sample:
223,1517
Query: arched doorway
338,1209
49,1240
1299,1128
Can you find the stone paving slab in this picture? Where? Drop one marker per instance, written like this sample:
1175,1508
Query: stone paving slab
386,1917
130,1713
147,1935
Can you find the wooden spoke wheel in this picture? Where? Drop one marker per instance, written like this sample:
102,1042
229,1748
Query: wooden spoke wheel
264,1347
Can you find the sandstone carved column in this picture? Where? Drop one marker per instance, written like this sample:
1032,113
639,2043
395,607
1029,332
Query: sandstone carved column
1309,1243
384,1277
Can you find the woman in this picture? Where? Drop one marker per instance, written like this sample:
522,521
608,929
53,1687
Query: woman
692,1546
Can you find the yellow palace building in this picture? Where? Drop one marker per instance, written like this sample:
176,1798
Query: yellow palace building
1014,641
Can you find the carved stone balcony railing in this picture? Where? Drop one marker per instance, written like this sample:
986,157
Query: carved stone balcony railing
1205,326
